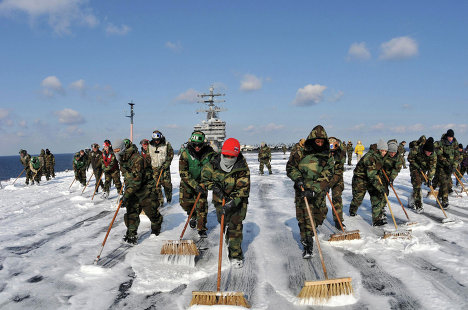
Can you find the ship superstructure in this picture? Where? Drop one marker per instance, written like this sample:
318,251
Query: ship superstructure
213,127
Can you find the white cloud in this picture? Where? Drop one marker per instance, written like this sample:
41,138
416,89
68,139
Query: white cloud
112,29
174,46
378,126
273,127
455,127
52,85
250,82
309,95
358,127
249,128
69,117
189,96
61,14
399,48
358,51
79,86
172,126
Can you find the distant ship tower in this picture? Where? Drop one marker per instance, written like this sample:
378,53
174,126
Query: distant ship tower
213,128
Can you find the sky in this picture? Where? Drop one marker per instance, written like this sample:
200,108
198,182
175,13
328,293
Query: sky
364,70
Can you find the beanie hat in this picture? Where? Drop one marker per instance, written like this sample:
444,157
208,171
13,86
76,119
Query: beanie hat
392,146
382,146
429,145
231,147
450,133
460,146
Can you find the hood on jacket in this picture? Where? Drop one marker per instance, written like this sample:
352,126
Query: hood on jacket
318,132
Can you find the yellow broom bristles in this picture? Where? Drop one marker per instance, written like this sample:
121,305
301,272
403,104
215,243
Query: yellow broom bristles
325,289
219,298
179,247
348,235
397,234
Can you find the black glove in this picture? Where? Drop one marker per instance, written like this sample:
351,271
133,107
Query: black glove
123,201
308,193
299,184
229,207
218,192
200,189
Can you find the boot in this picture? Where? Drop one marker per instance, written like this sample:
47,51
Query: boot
445,204
202,234
308,246
418,207
131,239
352,212
237,263
337,225
105,195
193,223
155,232
380,222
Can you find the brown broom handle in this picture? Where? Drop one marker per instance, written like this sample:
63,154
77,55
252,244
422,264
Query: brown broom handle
19,175
97,185
72,183
336,213
220,254
461,174
316,236
391,185
88,182
108,231
157,183
190,216
461,183
389,207
433,194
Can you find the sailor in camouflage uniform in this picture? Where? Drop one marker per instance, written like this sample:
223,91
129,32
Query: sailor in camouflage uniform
161,154
392,164
422,159
110,166
35,167
401,153
140,190
447,161
338,151
311,168
228,175
264,157
350,150
95,157
193,157
366,178
79,166
50,163
25,158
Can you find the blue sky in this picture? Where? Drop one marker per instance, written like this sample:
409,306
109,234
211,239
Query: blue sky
362,69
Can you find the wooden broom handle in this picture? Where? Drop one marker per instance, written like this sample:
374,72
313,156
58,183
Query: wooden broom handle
88,182
316,236
391,185
336,213
108,230
460,174
459,181
97,185
19,175
220,254
190,216
157,183
433,194
388,203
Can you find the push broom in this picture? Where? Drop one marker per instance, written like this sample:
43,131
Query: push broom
218,297
446,219
404,234
461,183
345,235
182,247
88,182
320,291
409,223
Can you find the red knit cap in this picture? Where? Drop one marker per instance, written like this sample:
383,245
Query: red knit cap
231,147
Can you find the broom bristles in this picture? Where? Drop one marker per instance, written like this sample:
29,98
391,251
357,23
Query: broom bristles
397,234
348,235
219,298
325,289
179,247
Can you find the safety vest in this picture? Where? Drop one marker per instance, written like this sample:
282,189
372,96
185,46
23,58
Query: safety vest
36,164
158,155
195,165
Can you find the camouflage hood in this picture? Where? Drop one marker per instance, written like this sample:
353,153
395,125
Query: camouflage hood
42,152
129,151
318,132
421,140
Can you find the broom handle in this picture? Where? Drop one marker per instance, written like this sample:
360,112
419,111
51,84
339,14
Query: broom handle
19,175
461,183
336,213
159,177
190,216
433,194
88,182
316,236
389,207
461,174
72,183
220,255
108,231
391,185
97,185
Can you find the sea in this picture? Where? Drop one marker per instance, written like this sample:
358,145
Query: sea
11,167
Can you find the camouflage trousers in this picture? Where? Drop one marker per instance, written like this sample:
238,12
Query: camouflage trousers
319,212
233,225
80,175
337,190
149,203
112,176
350,157
47,172
416,180
187,200
164,182
98,177
360,187
444,181
265,162
36,177
29,175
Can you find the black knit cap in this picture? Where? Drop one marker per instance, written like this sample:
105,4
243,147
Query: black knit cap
460,146
429,145
450,133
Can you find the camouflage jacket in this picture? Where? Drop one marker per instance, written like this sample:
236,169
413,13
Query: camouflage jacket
96,159
420,162
235,184
401,150
79,162
161,154
147,164
109,162
447,153
392,166
349,148
25,160
50,160
264,153
191,164
368,168
135,176
339,157
312,164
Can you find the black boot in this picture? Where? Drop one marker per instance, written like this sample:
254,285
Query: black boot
131,239
337,225
308,247
380,222
202,234
193,222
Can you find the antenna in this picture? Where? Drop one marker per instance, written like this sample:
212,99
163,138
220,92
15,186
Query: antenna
131,104
213,109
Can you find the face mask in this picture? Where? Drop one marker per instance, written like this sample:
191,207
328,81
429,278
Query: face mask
227,163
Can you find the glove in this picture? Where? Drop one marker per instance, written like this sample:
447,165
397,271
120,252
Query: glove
308,193
229,207
299,184
218,192
123,201
325,186
200,189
